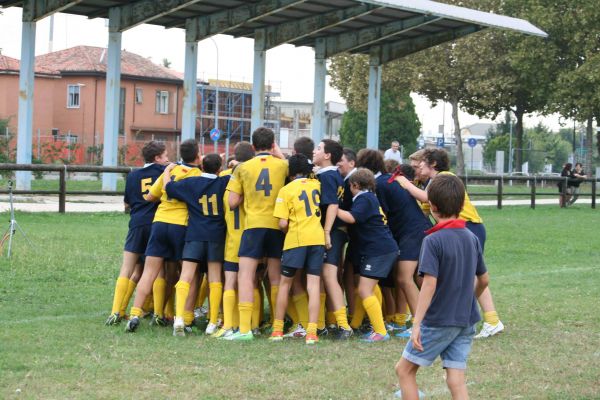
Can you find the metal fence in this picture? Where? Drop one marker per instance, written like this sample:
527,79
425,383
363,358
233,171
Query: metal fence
499,181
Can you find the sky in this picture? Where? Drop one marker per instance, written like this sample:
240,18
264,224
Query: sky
289,69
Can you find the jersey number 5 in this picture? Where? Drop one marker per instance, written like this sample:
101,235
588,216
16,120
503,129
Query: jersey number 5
263,182
146,185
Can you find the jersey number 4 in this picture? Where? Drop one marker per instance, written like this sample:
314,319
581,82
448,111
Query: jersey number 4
263,182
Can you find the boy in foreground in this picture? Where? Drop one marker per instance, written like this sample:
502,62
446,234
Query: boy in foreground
444,323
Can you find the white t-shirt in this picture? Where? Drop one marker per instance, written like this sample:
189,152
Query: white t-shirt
390,154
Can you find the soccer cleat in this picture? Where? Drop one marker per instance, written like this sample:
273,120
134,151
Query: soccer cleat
393,327
132,324
404,334
276,336
113,319
256,332
398,394
322,332
241,337
376,337
179,327
297,333
200,312
311,339
490,330
218,334
227,333
211,328
344,334
158,321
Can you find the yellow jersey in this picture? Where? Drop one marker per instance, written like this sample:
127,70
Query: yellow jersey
234,219
259,180
425,207
298,202
172,211
469,212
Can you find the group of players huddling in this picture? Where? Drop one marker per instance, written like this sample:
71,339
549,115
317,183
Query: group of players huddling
329,237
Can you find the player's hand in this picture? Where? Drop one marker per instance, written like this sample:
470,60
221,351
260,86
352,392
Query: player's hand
415,337
401,179
169,168
327,240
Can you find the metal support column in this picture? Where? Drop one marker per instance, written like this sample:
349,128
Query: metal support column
188,123
319,120
258,84
374,102
25,114
111,106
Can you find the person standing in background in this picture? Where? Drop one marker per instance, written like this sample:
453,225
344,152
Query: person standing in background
394,152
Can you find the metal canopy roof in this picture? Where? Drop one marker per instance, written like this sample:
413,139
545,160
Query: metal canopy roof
389,29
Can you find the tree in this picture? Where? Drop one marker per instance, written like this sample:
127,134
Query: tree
166,63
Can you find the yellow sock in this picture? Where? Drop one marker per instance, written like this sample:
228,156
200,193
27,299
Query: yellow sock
301,303
158,292
170,306
359,312
400,319
216,294
188,317
378,294
120,291
341,318
182,290
373,309
245,316
228,306
202,293
408,311
256,310
491,317
330,318
292,312
389,318
136,312
273,297
321,321
235,322
131,285
148,304
311,329
278,325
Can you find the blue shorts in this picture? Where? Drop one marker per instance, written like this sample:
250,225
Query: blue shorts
231,266
261,242
166,241
309,258
197,251
451,343
333,256
378,267
479,231
352,256
410,246
137,239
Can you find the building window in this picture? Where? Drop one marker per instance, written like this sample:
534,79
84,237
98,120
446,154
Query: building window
162,102
122,112
138,96
73,96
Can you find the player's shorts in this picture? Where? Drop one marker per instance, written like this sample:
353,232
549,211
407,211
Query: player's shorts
309,258
388,281
229,266
261,242
479,231
198,251
166,241
451,343
333,256
137,239
353,256
378,267
410,246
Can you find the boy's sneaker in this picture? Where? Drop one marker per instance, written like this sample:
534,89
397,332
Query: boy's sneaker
398,394
490,330
311,339
224,333
240,337
297,333
276,336
256,332
220,332
211,328
344,334
200,312
179,327
376,337
132,324
394,327
404,334
113,319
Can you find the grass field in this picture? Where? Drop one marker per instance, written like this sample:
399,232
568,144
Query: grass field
54,299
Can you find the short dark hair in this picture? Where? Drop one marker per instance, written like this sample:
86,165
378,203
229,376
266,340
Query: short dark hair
243,151
364,178
390,165
447,193
299,165
304,145
188,150
408,171
211,163
334,149
370,159
263,138
349,154
152,149
437,158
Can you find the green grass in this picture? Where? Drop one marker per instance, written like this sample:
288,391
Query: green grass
54,298
72,185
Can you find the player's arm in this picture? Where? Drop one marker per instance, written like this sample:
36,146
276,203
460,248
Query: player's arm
283,225
276,151
415,192
234,200
481,284
236,189
330,216
423,303
155,191
167,174
345,216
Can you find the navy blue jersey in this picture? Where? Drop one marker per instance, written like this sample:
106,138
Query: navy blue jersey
373,234
332,191
138,184
404,215
204,198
